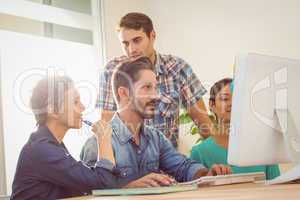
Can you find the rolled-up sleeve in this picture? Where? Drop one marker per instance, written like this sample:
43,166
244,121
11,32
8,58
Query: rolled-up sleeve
105,164
176,164
191,89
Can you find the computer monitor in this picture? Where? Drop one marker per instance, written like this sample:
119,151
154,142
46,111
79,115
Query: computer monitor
265,116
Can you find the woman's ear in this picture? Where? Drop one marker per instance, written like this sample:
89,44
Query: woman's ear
51,112
212,106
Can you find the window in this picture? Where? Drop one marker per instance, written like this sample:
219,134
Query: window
60,19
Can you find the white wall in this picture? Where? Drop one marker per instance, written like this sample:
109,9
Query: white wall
113,11
208,34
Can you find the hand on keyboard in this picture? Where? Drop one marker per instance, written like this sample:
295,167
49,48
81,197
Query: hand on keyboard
219,170
151,180
214,170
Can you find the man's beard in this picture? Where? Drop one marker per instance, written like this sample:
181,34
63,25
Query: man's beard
142,110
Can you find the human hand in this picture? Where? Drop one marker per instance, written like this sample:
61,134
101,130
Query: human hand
218,169
151,180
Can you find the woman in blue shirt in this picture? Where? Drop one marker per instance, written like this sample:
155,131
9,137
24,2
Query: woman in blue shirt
45,169
213,150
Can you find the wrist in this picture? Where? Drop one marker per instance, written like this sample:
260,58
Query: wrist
200,173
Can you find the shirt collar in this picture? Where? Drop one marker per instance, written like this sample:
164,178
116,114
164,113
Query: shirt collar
122,132
45,132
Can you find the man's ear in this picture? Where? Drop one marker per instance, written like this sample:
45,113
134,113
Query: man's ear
123,93
153,35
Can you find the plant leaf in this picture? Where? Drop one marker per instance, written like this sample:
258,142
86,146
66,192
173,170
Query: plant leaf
194,130
184,118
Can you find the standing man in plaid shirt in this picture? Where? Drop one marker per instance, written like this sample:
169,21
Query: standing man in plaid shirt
177,83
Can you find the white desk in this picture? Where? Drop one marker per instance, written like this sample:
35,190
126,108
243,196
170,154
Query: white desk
247,191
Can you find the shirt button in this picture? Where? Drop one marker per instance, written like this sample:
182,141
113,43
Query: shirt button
124,174
139,152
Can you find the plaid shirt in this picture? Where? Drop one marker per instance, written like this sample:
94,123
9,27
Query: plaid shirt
177,84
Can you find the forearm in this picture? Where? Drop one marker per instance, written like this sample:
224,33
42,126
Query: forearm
199,115
105,149
205,125
103,133
106,115
176,164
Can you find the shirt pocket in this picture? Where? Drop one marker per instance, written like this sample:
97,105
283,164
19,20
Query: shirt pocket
169,104
126,171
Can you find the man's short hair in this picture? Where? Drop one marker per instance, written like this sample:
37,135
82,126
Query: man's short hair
49,92
136,21
127,73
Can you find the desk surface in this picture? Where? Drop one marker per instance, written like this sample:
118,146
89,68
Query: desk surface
247,191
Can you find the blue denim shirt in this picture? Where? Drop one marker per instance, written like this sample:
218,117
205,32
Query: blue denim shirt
155,153
46,170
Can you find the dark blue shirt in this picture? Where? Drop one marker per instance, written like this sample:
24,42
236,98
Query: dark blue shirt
155,153
46,170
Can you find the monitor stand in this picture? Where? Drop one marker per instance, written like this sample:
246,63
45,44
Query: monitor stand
292,143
